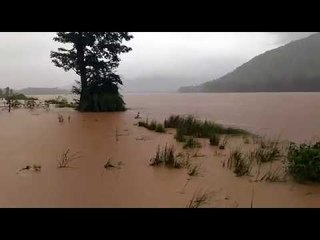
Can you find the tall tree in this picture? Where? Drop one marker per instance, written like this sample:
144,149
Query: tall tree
94,56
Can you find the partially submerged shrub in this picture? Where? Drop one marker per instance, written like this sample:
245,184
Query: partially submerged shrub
304,161
199,198
160,128
214,139
268,151
142,124
166,156
194,170
180,135
61,102
192,143
152,126
60,118
197,128
240,163
66,158
273,176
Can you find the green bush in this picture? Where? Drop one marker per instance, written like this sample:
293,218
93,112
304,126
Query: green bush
152,126
160,128
304,161
180,135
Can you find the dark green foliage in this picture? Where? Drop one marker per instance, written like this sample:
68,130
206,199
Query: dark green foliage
198,128
152,126
167,157
304,161
160,128
94,56
214,139
143,124
180,135
191,143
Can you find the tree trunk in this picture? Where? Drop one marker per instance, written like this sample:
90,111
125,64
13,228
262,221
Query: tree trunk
83,79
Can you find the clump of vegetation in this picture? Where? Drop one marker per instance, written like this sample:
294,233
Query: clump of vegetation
198,128
166,156
304,161
153,126
189,126
180,135
109,164
61,103
60,118
66,158
268,151
194,170
34,167
199,198
240,163
142,124
214,139
160,128
192,143
273,176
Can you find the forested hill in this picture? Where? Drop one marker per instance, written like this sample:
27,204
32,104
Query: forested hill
294,67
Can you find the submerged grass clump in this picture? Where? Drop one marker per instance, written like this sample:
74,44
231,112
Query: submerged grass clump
268,151
194,170
191,143
180,135
153,126
214,140
197,128
160,128
304,162
190,126
167,157
199,198
240,163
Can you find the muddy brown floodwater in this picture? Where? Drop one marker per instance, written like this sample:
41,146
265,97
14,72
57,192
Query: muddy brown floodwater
36,137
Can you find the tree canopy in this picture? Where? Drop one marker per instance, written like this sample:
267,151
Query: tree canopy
94,56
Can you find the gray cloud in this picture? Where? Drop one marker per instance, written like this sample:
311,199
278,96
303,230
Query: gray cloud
159,61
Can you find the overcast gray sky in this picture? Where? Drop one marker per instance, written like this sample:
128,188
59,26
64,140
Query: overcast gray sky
159,61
